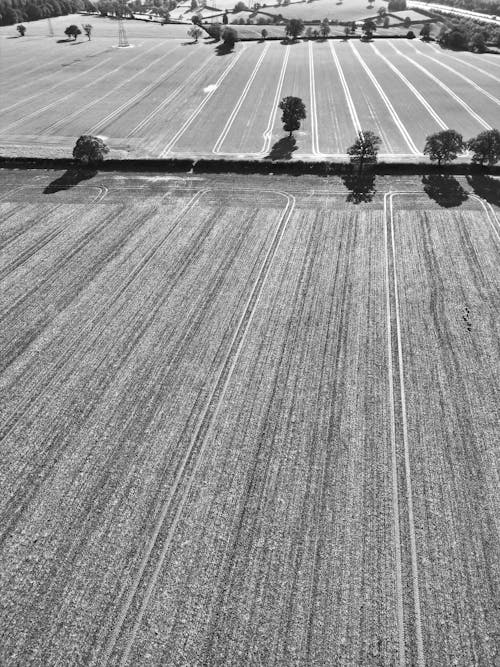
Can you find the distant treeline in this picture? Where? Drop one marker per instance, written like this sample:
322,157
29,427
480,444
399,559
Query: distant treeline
17,11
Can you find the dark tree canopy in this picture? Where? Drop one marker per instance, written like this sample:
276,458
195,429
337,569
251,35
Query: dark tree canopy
294,28
294,111
365,149
73,31
444,146
89,149
485,147
21,29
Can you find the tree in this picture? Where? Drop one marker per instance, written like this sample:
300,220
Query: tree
444,146
294,28
87,29
478,42
194,32
407,22
194,5
396,5
33,12
425,33
369,28
387,22
347,31
196,19
89,150
239,7
324,29
294,111
264,33
73,31
21,29
225,19
454,39
229,37
365,149
485,147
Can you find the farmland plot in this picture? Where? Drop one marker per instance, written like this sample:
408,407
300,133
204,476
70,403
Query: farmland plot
127,320
165,98
445,311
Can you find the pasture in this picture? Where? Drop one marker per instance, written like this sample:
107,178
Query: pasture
246,422
167,97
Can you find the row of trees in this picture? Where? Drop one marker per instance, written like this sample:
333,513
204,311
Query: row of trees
15,11
469,35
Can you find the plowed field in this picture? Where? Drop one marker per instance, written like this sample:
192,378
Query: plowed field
245,422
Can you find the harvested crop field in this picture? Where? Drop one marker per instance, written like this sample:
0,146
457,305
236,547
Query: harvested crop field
247,422
165,97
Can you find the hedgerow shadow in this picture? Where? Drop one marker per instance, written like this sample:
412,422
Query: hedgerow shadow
361,186
444,189
283,149
69,179
486,187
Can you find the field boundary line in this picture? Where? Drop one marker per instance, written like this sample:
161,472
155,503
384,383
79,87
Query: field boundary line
93,103
394,467
414,90
42,92
345,87
55,103
206,420
399,123
239,103
406,450
472,83
200,106
312,95
462,62
448,90
136,271
268,132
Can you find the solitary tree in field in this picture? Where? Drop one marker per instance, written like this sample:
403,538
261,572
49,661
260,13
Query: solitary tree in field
89,150
264,33
485,147
387,22
73,31
21,29
294,111
425,33
365,149
444,146
407,22
324,29
194,33
87,29
369,28
294,28
225,18
229,38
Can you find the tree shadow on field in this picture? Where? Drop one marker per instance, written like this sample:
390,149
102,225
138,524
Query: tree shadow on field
69,179
64,41
444,189
486,187
361,186
282,149
224,49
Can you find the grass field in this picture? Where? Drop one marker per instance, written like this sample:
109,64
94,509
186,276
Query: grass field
248,430
166,97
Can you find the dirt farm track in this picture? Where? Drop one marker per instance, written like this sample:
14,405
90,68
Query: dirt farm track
245,421
165,97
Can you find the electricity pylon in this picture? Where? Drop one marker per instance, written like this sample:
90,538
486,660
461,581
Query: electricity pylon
51,29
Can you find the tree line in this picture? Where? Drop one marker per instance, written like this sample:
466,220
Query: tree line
15,11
